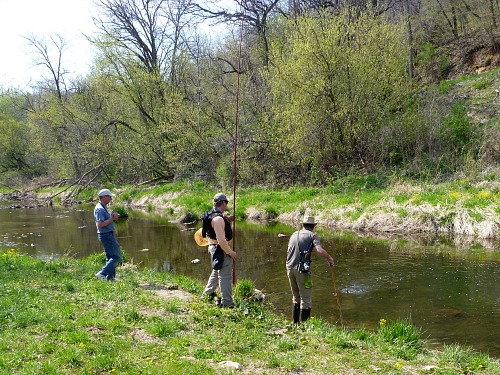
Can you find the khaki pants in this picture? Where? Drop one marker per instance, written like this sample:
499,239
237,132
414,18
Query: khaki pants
223,279
300,293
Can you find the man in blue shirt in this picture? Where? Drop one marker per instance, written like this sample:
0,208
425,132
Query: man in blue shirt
104,221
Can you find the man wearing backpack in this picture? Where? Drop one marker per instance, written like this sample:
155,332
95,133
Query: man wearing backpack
298,262
217,229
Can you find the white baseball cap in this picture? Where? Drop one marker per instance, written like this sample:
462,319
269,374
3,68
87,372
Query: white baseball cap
105,192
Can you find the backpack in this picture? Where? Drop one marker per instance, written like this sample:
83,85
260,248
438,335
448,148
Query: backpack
206,223
207,229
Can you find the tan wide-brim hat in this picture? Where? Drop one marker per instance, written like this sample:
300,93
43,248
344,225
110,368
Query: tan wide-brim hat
309,220
199,239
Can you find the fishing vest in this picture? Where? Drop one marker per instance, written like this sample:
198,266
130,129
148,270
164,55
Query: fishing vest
208,230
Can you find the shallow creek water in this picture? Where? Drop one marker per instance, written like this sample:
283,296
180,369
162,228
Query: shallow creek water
448,289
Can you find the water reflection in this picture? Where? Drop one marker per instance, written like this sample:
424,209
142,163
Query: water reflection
452,295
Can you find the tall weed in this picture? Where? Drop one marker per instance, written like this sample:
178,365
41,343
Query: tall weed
405,337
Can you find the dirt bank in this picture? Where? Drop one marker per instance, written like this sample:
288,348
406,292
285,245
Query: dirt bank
384,219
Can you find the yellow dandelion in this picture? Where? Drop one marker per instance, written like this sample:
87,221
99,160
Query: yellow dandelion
484,194
455,195
383,321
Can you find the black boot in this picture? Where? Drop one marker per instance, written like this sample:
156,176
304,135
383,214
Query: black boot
305,314
296,312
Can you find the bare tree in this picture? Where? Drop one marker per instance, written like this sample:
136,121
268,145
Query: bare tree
135,27
152,31
254,13
180,15
301,6
50,58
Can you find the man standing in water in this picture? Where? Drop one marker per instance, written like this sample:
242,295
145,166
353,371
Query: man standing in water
298,262
105,232
217,228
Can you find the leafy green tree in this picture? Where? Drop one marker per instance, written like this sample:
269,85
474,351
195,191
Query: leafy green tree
144,64
56,134
14,167
336,79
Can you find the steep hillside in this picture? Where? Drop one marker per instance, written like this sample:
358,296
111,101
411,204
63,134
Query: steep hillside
475,84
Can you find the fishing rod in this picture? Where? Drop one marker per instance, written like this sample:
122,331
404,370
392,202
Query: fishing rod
337,296
236,141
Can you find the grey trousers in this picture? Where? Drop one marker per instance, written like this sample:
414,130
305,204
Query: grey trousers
223,279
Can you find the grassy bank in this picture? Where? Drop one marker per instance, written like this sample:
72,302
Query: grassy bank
56,318
374,203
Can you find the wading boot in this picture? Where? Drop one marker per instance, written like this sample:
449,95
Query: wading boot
305,314
296,312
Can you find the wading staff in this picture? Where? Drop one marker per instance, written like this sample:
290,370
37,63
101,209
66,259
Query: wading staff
236,143
337,296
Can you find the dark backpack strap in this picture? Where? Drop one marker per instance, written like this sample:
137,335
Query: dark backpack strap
309,248
304,256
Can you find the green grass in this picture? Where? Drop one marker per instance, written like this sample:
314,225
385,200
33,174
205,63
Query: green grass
56,318
477,81
401,198
405,337
465,359
482,84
